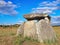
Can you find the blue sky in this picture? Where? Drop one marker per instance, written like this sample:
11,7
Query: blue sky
12,11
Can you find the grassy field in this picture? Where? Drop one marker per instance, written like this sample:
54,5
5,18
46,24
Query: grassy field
8,37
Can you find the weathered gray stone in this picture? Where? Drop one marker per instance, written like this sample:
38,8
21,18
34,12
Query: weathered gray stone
30,29
20,30
45,31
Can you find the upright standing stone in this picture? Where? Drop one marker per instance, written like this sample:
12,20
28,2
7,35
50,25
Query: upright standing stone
20,30
45,31
30,29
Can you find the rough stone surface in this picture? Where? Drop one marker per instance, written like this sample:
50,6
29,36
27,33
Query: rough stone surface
30,29
45,31
20,30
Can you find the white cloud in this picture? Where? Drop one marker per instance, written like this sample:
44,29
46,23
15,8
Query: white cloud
7,8
55,20
55,23
47,7
20,22
55,16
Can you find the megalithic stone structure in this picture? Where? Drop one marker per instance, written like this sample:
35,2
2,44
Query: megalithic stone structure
37,27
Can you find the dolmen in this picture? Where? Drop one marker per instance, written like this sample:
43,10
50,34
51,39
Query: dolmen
37,27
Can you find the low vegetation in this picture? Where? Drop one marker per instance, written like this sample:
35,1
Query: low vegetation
8,37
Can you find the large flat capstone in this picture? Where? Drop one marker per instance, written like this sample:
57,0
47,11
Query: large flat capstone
35,16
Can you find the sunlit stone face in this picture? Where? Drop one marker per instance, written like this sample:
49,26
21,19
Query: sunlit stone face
46,19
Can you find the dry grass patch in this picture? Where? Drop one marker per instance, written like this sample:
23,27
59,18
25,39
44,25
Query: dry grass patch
8,37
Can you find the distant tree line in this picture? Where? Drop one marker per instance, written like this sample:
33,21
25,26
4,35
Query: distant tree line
15,25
